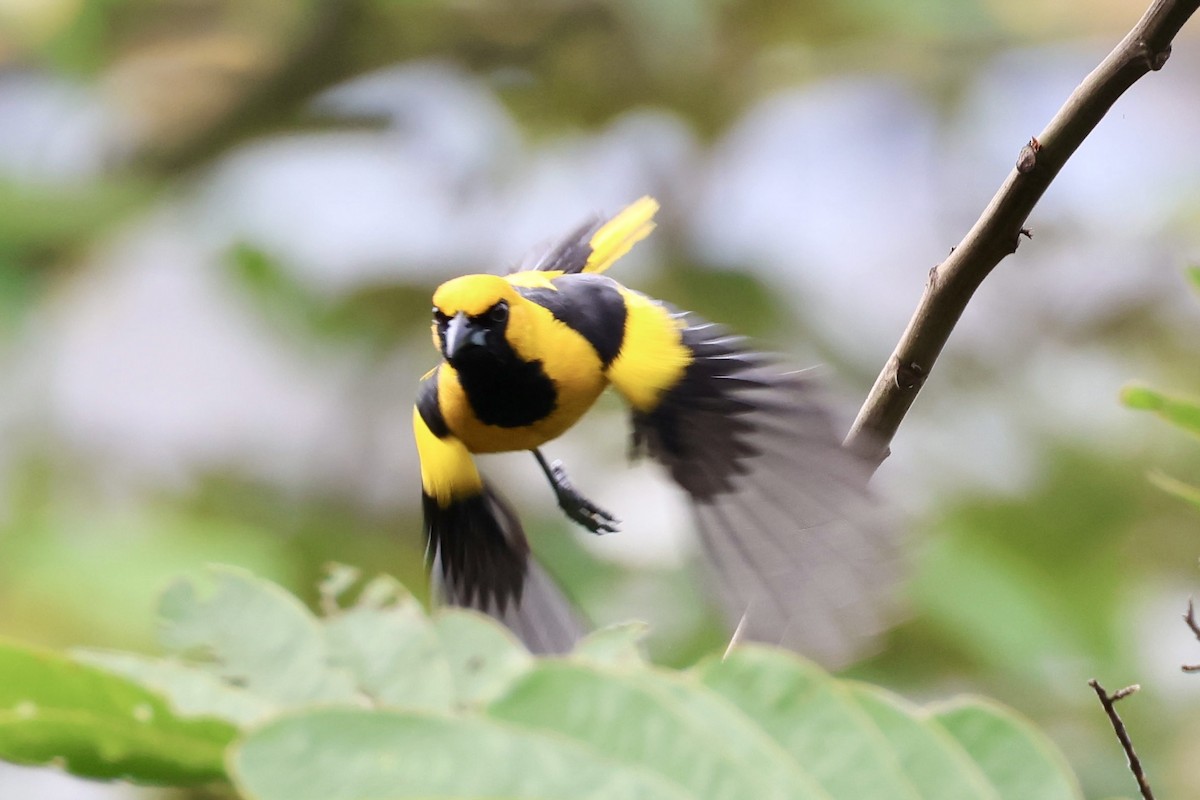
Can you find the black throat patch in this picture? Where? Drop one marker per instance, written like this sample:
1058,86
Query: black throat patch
507,392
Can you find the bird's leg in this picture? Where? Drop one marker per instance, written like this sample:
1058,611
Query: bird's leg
576,506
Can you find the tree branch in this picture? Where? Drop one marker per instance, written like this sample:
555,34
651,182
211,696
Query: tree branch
1190,619
1109,703
996,233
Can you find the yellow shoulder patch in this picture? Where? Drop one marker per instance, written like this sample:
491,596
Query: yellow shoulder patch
653,358
619,234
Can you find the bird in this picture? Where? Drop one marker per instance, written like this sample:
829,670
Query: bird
802,553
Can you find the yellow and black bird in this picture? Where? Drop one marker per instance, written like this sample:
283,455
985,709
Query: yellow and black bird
800,552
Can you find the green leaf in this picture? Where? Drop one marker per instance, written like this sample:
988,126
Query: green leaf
1018,760
255,634
484,657
1184,491
343,754
615,644
1181,412
465,711
191,691
814,718
98,725
638,723
743,738
1141,397
933,760
392,649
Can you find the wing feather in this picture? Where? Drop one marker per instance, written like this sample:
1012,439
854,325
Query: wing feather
596,244
803,554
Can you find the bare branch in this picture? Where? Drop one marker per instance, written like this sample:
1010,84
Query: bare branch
996,233
1190,619
1109,703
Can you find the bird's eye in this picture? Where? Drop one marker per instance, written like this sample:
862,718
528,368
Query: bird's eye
438,315
499,312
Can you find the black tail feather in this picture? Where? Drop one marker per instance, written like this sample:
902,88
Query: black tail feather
479,558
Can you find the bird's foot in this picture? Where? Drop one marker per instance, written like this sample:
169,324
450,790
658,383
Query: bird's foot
578,507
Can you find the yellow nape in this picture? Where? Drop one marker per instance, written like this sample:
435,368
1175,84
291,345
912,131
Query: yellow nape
473,294
619,234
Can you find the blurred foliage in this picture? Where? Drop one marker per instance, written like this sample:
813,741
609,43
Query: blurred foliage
1182,412
1021,592
376,317
204,75
40,222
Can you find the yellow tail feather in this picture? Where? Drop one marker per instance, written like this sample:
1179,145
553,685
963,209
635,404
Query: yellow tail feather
620,233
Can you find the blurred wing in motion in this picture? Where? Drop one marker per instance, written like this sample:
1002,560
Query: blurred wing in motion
803,556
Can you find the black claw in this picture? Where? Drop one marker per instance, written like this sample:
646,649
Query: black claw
577,507
590,516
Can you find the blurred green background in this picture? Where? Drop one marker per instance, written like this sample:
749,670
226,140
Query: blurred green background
220,224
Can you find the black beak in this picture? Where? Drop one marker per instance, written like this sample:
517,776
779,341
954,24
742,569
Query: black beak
461,334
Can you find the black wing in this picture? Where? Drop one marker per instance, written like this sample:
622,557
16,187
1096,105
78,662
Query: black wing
803,555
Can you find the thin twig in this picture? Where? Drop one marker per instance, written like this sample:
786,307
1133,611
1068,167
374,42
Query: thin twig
1109,703
996,233
737,636
1190,619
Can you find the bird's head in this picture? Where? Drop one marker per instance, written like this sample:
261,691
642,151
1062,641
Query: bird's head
473,317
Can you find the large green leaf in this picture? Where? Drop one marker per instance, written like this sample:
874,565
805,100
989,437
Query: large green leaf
935,763
814,718
191,690
393,650
351,754
637,722
760,723
254,634
1019,762
460,709
484,657
743,738
99,725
